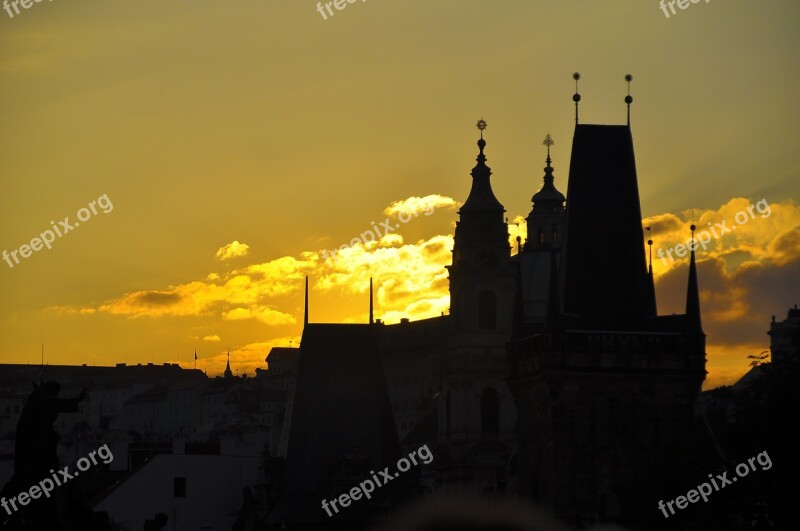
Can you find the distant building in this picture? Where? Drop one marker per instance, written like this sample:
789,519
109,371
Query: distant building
196,492
785,337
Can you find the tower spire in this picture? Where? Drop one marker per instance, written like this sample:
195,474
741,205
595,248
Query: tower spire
548,171
228,372
576,97
548,197
481,142
481,197
693,293
650,279
629,98
305,311
371,320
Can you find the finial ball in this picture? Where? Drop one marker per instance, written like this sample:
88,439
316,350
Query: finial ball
576,76
693,226
629,99
576,97
481,124
649,242
628,78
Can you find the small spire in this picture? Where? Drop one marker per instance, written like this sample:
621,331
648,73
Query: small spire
371,319
548,197
228,372
305,312
481,197
576,97
548,170
481,125
650,279
548,141
629,98
693,293
481,142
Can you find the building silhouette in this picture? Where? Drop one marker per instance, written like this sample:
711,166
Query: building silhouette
552,377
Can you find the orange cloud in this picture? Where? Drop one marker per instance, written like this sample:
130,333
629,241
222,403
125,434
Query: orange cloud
263,313
232,250
740,231
425,204
744,280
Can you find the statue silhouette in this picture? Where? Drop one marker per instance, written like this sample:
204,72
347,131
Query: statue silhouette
35,456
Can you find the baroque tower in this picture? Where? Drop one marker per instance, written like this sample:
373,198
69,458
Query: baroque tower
477,416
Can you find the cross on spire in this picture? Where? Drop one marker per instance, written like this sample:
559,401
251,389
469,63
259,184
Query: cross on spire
548,141
481,125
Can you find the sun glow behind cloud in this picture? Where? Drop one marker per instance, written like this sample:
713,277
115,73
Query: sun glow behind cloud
411,282
745,275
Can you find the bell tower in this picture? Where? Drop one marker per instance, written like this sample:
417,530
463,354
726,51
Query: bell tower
481,276
477,414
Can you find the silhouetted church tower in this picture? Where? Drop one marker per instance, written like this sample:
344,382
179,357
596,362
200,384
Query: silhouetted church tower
546,220
478,414
605,388
539,258
228,372
481,279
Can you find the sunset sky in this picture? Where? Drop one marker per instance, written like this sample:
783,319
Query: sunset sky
233,142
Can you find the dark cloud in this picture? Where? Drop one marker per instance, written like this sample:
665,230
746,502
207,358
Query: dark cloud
157,298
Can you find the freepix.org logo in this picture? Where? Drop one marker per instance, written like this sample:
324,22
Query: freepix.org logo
26,4
325,7
46,238
367,487
682,4
46,486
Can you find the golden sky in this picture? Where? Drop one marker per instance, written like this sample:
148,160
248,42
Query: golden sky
227,144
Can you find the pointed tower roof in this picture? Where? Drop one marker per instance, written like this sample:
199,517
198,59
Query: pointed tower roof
605,273
481,235
548,197
228,373
693,321
481,197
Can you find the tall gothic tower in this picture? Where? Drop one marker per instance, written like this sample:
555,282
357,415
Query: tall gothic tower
606,389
